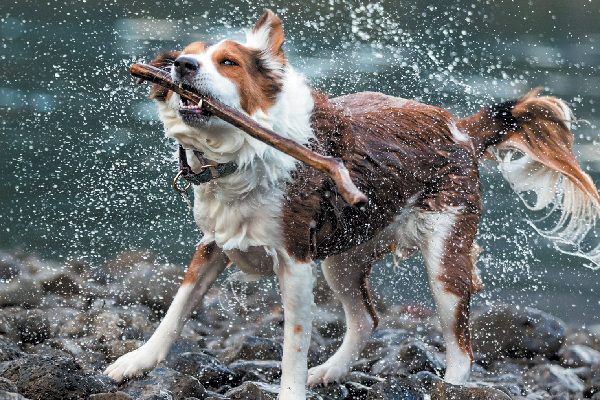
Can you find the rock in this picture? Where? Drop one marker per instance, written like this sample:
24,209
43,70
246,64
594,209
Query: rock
505,331
8,350
53,378
418,356
329,325
32,326
111,396
445,391
395,389
9,266
4,395
253,391
589,337
160,285
20,291
63,283
253,370
164,383
253,348
7,385
207,369
592,387
554,379
579,356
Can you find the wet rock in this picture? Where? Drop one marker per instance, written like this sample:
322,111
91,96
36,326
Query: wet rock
253,391
4,395
554,379
20,291
53,378
207,369
9,350
334,391
9,266
588,337
592,386
418,356
160,285
395,389
253,348
7,385
253,370
579,356
357,391
445,391
505,331
164,383
425,379
63,283
32,326
329,325
111,396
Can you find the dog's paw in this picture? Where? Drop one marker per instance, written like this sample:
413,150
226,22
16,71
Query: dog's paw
327,373
133,364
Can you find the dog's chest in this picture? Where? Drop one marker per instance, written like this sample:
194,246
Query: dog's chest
238,222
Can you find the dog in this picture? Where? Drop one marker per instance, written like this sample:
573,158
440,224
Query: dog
418,165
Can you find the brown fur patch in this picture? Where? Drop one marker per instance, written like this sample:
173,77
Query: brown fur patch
395,151
195,48
298,329
200,258
367,298
257,85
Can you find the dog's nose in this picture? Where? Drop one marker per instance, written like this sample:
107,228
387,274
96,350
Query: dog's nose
186,66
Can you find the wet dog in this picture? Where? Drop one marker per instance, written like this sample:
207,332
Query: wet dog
417,164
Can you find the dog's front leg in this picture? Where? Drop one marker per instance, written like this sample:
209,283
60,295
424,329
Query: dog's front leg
296,281
206,265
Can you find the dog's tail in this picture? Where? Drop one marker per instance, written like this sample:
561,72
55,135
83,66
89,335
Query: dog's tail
538,129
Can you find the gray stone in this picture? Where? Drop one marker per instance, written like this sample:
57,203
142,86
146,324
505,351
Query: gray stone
256,370
253,348
9,266
418,356
9,350
395,389
164,383
207,369
111,396
579,356
253,391
5,395
445,391
7,385
53,378
505,331
20,291
554,379
32,326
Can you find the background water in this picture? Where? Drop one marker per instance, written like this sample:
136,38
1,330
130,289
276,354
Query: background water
85,170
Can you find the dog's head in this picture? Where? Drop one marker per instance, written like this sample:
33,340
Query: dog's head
247,76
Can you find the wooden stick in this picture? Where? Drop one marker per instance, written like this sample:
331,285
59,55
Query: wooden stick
333,167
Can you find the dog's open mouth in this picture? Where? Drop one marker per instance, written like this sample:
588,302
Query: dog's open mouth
192,114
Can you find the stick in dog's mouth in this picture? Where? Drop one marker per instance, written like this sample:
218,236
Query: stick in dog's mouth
333,167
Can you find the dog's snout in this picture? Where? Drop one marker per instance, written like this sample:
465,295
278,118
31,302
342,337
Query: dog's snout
186,66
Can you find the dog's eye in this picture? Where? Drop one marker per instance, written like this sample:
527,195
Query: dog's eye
228,62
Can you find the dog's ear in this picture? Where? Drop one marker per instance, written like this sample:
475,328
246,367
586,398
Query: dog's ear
267,35
162,60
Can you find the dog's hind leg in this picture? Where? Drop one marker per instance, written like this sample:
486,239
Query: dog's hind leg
206,265
347,275
446,242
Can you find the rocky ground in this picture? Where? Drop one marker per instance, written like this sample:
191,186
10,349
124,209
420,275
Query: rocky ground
60,325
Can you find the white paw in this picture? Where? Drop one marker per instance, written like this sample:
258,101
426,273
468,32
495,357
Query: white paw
133,364
327,373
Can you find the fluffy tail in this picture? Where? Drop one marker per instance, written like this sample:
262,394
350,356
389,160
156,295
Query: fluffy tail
538,129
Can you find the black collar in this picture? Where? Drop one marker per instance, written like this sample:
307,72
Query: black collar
210,170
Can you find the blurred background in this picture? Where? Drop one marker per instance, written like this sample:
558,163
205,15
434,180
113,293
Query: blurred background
85,169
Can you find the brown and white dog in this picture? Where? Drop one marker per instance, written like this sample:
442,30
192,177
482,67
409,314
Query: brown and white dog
416,163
